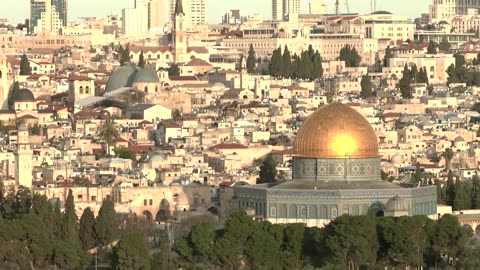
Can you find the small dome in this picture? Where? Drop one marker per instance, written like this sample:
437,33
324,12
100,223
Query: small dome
122,77
382,12
396,203
459,139
24,95
22,127
334,131
397,159
146,75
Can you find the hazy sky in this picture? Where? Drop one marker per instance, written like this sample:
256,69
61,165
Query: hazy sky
17,10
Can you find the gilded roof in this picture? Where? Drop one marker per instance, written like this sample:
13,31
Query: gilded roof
336,131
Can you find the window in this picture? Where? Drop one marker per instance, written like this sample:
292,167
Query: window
151,202
87,90
146,89
145,202
334,212
80,89
273,211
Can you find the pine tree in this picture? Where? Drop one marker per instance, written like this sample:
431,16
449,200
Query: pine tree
25,68
366,85
141,60
11,96
251,62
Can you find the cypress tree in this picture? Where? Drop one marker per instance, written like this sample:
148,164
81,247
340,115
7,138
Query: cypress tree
317,66
11,96
388,55
141,60
25,68
286,63
125,57
87,221
366,85
69,224
276,63
251,60
450,189
105,225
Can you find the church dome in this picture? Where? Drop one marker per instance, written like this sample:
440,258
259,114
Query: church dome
24,95
121,77
336,131
146,75
396,203
22,127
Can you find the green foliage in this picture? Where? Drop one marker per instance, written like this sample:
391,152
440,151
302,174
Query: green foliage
251,61
366,85
125,153
161,258
108,132
287,67
307,66
80,181
131,252
405,82
417,175
350,56
388,55
125,55
268,171
351,240
25,68
105,227
85,232
11,96
68,254
444,45
173,70
450,189
141,60
69,222
432,48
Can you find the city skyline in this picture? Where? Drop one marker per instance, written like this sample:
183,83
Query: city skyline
19,11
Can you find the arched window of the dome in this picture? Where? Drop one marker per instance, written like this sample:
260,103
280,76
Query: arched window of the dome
80,89
87,90
156,88
146,89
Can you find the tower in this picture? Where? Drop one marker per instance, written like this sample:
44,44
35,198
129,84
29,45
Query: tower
179,37
4,85
23,158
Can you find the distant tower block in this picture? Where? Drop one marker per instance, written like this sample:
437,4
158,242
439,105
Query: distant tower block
4,85
23,158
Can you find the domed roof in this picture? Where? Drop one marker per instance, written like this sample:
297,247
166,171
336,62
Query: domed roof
382,12
397,159
334,131
396,203
121,77
24,95
145,75
459,139
22,127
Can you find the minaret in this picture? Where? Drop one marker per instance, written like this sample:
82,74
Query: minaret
179,37
4,85
23,158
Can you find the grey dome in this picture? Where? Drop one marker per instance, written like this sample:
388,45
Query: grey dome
459,139
396,203
22,127
146,75
122,77
24,95
382,12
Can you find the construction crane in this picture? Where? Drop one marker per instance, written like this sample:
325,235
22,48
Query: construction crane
337,7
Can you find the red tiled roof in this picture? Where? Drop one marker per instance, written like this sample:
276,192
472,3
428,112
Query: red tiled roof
151,49
79,78
183,78
171,125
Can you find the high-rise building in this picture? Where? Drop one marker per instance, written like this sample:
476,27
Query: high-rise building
445,9
195,11
61,6
284,9
23,158
277,10
4,84
135,20
44,17
156,14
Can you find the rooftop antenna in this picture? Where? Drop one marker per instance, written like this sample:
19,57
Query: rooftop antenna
337,4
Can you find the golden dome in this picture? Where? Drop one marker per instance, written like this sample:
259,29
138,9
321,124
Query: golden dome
335,131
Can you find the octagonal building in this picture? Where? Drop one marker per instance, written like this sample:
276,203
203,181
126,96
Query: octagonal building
336,170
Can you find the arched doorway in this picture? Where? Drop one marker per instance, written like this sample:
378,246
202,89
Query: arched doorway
147,215
213,210
477,231
467,227
378,208
162,215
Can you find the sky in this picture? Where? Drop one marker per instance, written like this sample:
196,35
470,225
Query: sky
18,10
